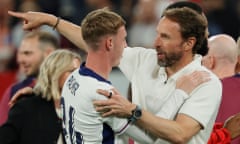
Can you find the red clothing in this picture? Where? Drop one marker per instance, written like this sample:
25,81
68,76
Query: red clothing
6,79
219,135
230,100
4,108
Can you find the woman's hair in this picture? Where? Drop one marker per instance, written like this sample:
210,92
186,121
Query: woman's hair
57,63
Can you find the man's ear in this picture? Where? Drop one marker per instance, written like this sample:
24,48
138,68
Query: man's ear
238,60
189,43
109,43
48,50
212,62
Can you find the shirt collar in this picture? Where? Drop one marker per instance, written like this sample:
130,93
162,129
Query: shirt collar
88,72
196,63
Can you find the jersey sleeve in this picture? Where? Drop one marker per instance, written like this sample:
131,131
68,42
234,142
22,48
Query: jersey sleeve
118,125
171,106
204,102
132,58
139,135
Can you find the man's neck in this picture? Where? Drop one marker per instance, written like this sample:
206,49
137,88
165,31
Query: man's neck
178,65
99,64
225,73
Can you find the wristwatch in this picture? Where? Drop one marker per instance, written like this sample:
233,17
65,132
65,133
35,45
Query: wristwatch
136,114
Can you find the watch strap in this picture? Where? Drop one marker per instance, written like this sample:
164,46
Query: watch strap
136,114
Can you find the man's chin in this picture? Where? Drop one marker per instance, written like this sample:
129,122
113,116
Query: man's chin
26,73
161,63
31,75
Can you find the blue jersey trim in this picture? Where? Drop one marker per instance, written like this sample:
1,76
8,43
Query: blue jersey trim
88,72
108,134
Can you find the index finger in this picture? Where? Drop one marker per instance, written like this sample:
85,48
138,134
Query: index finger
14,98
17,14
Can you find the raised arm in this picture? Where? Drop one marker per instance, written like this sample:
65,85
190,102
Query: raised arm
33,20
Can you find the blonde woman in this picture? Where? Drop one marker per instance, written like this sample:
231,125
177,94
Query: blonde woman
37,119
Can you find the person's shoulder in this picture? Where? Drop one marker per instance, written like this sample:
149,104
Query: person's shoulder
23,82
232,79
29,81
214,82
25,104
28,100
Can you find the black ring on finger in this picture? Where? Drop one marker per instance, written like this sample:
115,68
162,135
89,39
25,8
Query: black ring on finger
110,95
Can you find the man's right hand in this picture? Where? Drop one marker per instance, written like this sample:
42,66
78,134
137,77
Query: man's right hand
18,94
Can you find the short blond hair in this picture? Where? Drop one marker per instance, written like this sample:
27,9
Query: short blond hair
99,23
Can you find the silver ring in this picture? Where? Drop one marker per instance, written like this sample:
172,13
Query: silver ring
110,94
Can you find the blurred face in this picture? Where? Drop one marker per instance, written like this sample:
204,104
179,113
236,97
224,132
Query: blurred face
30,56
168,43
119,43
74,65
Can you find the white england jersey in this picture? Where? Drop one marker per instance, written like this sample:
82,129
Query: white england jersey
81,123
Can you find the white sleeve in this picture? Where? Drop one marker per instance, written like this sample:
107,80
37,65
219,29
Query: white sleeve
121,139
120,126
204,102
139,135
170,108
132,58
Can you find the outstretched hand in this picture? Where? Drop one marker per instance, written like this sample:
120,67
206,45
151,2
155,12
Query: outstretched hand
33,20
18,94
232,124
117,105
189,82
